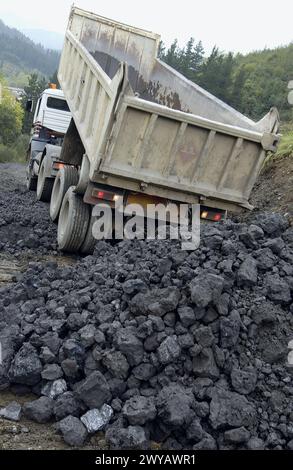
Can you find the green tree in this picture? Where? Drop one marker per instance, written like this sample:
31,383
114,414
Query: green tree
191,58
36,85
216,74
172,56
11,116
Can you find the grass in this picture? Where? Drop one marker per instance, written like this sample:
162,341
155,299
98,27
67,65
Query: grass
285,147
15,152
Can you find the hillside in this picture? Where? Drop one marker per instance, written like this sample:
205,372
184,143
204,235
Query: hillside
263,77
48,39
251,83
19,56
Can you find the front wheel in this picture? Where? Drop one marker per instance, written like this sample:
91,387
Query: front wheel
31,181
45,184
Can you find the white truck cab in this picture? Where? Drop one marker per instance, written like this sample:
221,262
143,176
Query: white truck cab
52,112
50,123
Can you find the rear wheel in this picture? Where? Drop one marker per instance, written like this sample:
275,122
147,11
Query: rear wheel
73,222
45,185
88,246
66,177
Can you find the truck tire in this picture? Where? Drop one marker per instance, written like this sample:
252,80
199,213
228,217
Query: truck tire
44,185
88,246
73,222
31,181
66,177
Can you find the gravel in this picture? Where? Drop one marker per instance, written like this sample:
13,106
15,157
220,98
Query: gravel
185,349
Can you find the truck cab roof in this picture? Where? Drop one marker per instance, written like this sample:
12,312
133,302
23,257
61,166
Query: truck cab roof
53,92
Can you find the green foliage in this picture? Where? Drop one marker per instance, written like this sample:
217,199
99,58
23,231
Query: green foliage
11,116
13,144
15,152
19,54
36,85
286,145
251,83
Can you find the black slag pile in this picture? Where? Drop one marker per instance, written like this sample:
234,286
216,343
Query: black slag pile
150,343
25,226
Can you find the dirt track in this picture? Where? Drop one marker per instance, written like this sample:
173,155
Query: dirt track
24,434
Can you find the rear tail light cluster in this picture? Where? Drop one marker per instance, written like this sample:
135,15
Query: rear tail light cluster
214,215
105,195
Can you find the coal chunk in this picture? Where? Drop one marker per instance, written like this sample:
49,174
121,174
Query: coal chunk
95,420
12,411
139,410
206,289
230,329
144,371
52,372
204,336
128,343
26,367
237,436
230,409
194,432
156,302
116,363
247,273
130,438
277,289
174,404
244,380
40,410
94,391
73,431
169,350
204,365
187,316
65,405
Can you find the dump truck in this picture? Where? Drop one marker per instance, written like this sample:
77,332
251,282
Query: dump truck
142,132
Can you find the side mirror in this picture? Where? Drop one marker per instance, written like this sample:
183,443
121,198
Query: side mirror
29,106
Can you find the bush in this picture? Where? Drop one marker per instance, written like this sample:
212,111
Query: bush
15,152
7,154
285,147
11,117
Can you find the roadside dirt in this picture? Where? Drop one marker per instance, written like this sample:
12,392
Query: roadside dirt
27,435
273,190
24,434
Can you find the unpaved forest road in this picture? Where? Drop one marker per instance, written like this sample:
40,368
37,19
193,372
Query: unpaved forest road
26,434
24,224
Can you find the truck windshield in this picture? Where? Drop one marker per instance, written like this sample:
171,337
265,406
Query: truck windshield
57,103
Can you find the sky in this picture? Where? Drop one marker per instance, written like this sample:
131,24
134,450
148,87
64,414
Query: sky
237,26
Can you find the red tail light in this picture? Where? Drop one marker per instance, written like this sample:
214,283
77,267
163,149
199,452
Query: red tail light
106,195
215,215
